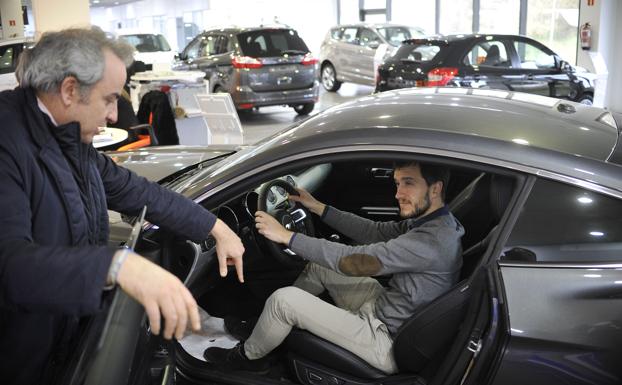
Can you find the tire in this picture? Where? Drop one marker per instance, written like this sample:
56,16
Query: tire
304,109
586,99
328,77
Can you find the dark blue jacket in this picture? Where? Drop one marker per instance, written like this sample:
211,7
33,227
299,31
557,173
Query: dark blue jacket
54,259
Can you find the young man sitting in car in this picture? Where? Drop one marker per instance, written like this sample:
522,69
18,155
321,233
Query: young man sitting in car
422,252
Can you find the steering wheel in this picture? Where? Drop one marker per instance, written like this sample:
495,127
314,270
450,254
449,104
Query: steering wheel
296,218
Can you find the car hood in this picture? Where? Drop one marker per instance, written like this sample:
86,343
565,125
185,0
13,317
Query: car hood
157,163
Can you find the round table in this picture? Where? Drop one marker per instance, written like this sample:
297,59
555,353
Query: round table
109,136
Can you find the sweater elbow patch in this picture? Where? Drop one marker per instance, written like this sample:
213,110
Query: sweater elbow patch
360,265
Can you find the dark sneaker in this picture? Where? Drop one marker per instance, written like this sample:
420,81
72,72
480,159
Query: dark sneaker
239,328
235,359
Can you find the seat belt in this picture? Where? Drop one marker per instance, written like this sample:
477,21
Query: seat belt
474,343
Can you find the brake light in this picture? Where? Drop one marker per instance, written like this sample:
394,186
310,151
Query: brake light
308,60
246,62
441,76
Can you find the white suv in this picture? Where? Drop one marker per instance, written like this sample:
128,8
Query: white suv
350,53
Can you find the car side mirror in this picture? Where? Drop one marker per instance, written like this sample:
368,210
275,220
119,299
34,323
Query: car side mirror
564,65
373,45
181,56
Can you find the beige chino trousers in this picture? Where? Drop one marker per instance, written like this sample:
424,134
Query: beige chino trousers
351,324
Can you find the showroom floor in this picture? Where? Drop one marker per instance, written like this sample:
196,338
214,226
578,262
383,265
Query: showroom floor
268,120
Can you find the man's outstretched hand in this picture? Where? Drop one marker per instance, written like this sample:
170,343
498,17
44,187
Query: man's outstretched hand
229,249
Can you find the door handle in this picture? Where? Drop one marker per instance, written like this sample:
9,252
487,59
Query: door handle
381,173
530,77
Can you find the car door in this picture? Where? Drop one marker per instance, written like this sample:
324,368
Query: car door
538,65
347,54
488,65
560,270
369,42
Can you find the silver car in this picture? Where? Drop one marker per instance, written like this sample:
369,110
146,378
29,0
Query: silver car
348,51
262,66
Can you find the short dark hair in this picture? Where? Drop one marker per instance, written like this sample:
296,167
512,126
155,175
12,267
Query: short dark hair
431,172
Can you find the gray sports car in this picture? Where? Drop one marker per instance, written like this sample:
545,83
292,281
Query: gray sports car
536,182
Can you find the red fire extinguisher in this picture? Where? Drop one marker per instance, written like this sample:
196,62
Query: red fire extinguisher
586,36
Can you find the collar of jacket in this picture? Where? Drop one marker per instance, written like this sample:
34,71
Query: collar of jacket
67,135
434,214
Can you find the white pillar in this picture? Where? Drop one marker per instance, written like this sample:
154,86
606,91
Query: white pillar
12,20
54,15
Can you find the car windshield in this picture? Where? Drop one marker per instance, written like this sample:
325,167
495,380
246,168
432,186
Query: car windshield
396,35
147,42
271,42
417,52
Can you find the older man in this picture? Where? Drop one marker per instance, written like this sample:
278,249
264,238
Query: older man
423,253
56,188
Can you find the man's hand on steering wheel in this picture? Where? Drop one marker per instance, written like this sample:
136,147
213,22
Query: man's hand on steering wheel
270,228
307,200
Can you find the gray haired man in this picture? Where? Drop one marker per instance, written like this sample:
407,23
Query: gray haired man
56,188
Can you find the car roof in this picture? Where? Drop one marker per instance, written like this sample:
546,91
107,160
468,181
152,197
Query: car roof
234,29
508,129
373,25
468,36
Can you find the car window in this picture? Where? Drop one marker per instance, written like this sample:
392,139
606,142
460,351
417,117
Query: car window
368,36
147,42
335,33
192,51
396,35
349,35
6,59
418,52
488,54
222,45
208,45
532,57
271,42
564,223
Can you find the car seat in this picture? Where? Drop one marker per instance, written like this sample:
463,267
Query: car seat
155,109
493,56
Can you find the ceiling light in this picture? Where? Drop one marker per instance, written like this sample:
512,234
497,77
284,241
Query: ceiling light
585,200
597,233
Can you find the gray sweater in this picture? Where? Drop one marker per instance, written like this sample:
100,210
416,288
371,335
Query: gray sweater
424,255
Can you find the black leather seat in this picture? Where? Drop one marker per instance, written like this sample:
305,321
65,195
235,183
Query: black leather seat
423,340
493,56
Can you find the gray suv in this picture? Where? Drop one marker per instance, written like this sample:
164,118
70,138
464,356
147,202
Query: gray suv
261,66
348,51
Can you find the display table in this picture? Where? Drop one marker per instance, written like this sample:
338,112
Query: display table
109,136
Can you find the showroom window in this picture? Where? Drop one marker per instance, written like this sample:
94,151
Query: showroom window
554,23
420,13
456,16
564,223
499,16
532,57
